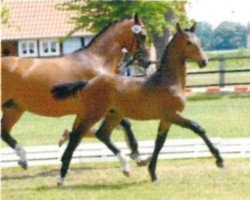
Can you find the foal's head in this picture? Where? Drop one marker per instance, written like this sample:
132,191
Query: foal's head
189,47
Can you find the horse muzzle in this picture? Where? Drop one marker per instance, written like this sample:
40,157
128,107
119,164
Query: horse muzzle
202,63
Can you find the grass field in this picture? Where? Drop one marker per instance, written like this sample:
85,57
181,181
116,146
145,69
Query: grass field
221,117
190,179
230,64
186,179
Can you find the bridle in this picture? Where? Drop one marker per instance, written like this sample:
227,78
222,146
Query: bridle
140,52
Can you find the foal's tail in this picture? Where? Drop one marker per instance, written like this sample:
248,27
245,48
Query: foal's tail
66,90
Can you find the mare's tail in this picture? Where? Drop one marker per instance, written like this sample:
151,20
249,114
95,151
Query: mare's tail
65,90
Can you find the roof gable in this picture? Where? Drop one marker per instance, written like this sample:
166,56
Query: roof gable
37,19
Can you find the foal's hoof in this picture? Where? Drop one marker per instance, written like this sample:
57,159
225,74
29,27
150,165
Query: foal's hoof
126,173
219,163
23,164
154,179
60,182
144,162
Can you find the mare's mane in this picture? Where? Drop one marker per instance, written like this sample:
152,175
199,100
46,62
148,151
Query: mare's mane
104,29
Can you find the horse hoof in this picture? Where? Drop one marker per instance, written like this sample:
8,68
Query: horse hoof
23,164
154,180
219,163
126,173
144,162
60,182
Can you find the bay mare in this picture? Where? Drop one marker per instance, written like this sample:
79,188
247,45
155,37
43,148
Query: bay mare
26,82
160,96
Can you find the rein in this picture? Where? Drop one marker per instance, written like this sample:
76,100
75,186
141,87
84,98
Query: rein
139,54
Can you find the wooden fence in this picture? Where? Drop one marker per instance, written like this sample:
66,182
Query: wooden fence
222,73
97,152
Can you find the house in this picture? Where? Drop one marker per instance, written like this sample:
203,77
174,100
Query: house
36,27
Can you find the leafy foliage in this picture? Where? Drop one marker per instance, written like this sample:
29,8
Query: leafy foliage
4,13
204,31
94,15
229,35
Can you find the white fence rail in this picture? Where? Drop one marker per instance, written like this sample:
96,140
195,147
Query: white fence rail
89,152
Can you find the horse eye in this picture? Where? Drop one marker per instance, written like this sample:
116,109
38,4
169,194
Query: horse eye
143,37
189,43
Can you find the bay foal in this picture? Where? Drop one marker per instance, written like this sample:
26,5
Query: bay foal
160,96
26,82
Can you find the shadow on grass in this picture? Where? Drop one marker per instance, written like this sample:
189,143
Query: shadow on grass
98,186
52,173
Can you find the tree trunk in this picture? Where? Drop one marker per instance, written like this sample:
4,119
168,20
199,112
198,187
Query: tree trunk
160,41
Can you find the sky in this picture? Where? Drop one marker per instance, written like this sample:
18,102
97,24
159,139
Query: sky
216,11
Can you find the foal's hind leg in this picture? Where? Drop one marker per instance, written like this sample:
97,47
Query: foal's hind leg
186,123
132,142
11,114
103,134
79,129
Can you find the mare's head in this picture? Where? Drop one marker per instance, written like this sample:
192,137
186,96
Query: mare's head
136,41
189,46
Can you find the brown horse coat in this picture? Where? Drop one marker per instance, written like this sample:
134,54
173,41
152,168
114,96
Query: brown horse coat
160,96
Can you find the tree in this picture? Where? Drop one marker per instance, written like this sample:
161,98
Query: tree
157,16
229,35
4,13
248,27
204,31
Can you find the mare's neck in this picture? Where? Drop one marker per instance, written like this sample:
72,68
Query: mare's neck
106,49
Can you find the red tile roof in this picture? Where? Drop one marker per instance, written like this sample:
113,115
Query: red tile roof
37,19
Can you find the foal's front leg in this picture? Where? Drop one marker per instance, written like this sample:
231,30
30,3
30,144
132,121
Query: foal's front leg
186,123
159,142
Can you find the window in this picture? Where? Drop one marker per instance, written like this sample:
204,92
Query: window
71,44
49,47
27,48
87,40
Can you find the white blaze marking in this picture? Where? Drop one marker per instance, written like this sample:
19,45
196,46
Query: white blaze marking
123,160
20,152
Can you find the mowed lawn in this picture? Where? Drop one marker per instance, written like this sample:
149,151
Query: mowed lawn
225,117
188,179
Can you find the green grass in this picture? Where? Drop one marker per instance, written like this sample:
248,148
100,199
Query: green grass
228,53
188,179
229,64
225,117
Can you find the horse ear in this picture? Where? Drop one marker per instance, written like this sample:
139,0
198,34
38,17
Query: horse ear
192,29
136,18
178,28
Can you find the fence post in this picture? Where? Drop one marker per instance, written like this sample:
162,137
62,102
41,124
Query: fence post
222,71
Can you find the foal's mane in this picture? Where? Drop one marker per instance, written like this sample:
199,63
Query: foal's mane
155,77
104,29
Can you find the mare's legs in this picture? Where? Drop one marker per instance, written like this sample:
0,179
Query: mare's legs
11,114
159,142
103,134
186,123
